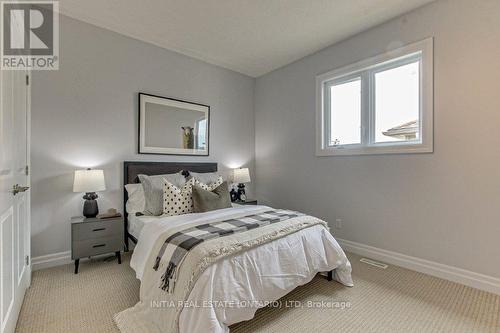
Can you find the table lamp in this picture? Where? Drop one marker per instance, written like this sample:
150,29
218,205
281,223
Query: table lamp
241,176
89,181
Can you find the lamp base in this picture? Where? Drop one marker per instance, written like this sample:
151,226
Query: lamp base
90,208
234,195
242,196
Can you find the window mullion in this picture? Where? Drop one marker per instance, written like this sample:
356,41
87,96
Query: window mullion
365,109
371,107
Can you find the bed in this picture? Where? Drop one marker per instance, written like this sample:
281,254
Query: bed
225,280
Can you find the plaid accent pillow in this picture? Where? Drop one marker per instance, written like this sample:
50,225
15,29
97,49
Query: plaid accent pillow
178,201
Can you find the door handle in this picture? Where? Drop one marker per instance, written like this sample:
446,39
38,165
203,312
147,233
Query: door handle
18,189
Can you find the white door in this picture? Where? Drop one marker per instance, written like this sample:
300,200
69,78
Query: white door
15,266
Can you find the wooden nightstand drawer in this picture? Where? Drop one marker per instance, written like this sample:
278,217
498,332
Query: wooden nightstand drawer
95,246
98,229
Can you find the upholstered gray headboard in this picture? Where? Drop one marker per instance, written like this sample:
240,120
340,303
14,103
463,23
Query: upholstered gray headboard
133,169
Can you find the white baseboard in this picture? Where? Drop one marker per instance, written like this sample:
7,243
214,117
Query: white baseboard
480,281
50,260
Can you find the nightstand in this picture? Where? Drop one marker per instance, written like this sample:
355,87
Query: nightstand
94,236
247,202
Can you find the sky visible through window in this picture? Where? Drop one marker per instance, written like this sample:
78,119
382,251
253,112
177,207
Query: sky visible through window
396,101
345,116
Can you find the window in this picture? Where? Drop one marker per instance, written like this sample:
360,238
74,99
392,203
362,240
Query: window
201,133
378,106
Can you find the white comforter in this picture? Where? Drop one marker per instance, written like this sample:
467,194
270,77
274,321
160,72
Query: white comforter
263,273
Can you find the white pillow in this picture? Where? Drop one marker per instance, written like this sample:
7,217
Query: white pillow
178,201
136,200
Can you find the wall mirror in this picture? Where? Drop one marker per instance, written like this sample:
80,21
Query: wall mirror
172,127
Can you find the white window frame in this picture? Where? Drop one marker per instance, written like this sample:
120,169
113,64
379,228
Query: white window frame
366,69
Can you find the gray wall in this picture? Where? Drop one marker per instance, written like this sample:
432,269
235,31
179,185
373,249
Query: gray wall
85,115
443,206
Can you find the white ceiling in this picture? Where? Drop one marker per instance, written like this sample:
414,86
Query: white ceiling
252,37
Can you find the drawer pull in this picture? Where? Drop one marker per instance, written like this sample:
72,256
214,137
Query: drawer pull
99,245
99,229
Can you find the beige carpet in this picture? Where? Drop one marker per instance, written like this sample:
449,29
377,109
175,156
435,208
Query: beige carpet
391,300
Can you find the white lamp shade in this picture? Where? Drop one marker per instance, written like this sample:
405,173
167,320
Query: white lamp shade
89,181
241,175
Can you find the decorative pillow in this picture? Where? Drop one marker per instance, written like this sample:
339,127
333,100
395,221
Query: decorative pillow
153,190
136,200
178,201
210,186
205,201
206,177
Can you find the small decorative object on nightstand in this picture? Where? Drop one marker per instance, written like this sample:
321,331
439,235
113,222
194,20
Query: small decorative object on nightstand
241,176
247,202
94,236
234,195
89,181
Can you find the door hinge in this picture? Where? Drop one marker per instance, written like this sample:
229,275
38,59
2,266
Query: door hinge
27,80
27,170
27,260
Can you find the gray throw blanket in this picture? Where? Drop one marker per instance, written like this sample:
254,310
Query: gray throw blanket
179,244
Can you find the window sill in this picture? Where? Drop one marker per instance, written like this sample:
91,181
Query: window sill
376,150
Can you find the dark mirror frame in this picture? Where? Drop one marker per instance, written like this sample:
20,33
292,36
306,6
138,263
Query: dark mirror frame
141,145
